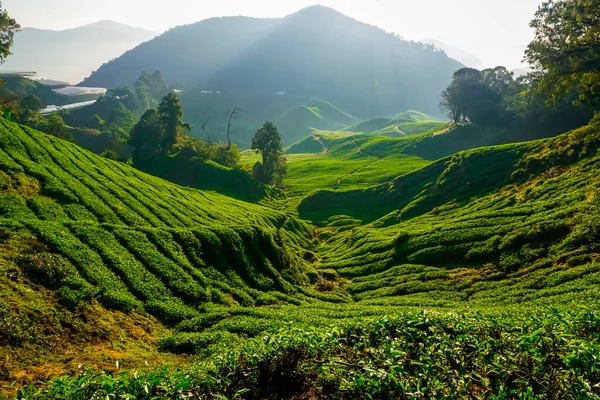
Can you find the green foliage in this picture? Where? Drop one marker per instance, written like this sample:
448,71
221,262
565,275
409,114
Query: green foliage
566,48
170,113
146,136
450,355
8,27
267,142
56,127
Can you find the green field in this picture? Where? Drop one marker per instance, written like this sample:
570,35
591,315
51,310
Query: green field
419,275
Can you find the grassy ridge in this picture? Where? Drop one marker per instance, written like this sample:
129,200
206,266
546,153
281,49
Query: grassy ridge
298,122
138,242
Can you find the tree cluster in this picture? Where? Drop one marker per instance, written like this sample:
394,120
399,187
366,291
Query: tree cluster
566,49
562,92
162,132
493,98
478,96
159,131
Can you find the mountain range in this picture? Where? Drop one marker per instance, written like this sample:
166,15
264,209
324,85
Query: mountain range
71,55
314,53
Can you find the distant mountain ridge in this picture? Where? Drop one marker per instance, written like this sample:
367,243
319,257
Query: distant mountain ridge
71,55
458,54
314,53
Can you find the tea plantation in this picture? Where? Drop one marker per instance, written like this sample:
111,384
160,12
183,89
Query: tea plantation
473,276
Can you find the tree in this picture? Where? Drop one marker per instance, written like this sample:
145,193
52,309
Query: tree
8,27
450,103
267,142
233,113
146,137
170,113
56,127
29,109
31,102
155,84
566,48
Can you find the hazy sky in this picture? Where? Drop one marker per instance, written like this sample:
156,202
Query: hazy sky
495,31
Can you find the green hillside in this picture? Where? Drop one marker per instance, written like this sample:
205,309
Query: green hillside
488,241
404,124
299,121
135,241
344,161
347,160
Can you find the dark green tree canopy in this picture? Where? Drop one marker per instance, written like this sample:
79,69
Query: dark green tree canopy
31,103
267,142
146,137
8,27
159,131
478,96
566,48
170,112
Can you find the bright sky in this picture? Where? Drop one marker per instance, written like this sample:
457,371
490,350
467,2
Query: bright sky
495,31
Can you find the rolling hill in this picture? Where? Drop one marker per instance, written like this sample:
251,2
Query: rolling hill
72,54
315,53
299,121
487,258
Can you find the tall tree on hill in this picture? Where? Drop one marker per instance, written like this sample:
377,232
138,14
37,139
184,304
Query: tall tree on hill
566,48
155,84
146,137
8,27
170,113
267,142
450,103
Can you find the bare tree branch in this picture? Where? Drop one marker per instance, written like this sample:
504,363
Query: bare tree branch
233,113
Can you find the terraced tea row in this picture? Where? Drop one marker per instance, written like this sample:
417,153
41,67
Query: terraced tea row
136,241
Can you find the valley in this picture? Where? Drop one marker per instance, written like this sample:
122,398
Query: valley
214,270
301,207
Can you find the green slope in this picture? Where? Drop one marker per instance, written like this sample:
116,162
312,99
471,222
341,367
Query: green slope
343,160
138,242
484,264
207,175
491,227
347,161
298,122
404,124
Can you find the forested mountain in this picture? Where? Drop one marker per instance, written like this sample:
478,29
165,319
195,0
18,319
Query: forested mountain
315,53
72,54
